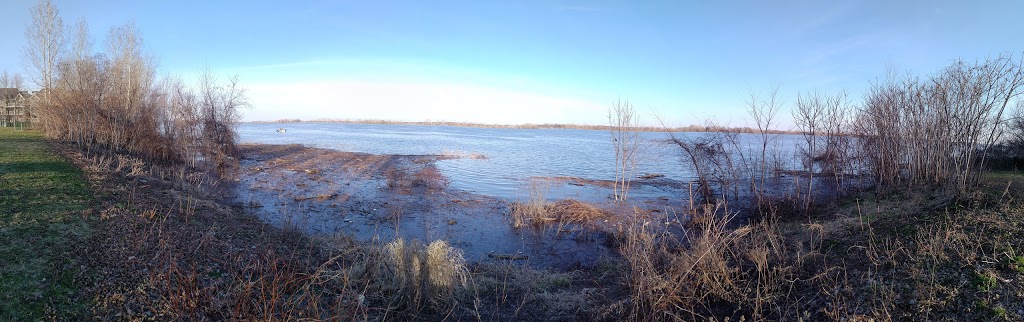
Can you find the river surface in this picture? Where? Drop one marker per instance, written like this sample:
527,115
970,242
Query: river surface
510,157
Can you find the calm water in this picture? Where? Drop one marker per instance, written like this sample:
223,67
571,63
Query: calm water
513,156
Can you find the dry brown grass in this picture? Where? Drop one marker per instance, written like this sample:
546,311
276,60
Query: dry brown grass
715,271
418,277
537,211
430,177
164,253
427,177
562,213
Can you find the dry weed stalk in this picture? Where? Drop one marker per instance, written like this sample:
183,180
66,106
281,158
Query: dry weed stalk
537,211
752,268
533,211
419,276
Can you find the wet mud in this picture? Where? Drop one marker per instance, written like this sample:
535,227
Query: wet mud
378,198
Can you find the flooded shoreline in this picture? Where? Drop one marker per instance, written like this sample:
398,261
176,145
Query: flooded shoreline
326,192
381,197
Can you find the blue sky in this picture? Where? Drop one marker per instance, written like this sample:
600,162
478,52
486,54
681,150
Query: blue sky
541,61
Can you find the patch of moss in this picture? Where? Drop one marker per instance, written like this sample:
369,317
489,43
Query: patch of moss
993,312
984,282
1017,264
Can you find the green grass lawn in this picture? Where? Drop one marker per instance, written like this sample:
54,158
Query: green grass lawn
42,198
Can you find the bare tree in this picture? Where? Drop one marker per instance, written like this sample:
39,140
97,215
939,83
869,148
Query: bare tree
44,45
220,110
763,110
45,42
5,80
626,141
809,116
17,81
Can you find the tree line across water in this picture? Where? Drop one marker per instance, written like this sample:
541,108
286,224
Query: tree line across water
688,128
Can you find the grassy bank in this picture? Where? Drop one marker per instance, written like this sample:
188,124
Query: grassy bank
42,202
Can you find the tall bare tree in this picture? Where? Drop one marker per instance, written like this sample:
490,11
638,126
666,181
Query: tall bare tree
113,101
44,43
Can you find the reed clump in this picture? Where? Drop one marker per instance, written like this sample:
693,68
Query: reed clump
418,276
568,211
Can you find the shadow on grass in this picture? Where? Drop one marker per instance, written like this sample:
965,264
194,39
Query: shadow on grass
42,198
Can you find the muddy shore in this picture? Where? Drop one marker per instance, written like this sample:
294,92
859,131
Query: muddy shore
382,197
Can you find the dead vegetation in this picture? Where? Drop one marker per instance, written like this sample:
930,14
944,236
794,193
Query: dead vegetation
538,212
953,262
114,101
423,177
419,277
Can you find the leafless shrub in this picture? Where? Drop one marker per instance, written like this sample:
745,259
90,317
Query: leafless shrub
936,130
624,127
1009,154
708,159
763,110
826,150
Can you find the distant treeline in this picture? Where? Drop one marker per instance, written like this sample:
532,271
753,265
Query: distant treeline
690,128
